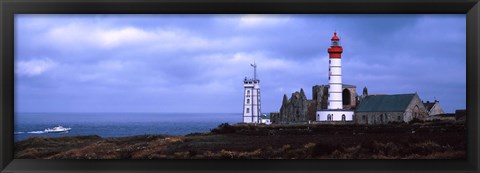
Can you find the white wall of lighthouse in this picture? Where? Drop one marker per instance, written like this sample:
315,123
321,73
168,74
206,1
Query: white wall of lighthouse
335,82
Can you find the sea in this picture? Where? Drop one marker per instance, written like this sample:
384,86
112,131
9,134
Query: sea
27,125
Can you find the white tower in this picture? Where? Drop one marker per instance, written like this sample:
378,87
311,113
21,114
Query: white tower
335,74
335,111
251,101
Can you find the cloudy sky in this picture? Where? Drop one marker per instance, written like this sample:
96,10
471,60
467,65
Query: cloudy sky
197,63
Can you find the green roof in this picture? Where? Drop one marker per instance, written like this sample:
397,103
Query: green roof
385,103
265,116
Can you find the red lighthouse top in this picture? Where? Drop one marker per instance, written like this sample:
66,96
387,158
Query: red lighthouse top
335,37
335,50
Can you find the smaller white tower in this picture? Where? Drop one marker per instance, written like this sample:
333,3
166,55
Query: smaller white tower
251,101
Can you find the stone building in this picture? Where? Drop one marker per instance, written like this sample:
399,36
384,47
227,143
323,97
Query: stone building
293,110
299,109
349,96
274,117
433,108
382,109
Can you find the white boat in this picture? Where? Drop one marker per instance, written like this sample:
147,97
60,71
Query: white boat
58,129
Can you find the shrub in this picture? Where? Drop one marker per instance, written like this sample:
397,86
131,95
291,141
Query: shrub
347,153
322,149
425,148
416,120
224,128
386,149
195,134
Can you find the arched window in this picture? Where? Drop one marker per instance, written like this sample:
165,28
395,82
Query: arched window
416,111
329,117
346,97
343,117
248,101
248,110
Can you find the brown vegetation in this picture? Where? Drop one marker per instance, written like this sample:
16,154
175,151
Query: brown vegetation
245,141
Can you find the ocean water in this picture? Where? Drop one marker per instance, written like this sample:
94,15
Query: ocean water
119,124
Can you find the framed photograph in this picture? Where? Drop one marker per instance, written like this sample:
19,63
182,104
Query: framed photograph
239,86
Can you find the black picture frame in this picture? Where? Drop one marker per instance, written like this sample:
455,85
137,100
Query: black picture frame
9,8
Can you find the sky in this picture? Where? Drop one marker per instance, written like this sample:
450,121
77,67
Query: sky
197,63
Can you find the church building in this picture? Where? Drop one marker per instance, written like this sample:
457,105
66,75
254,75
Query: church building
383,109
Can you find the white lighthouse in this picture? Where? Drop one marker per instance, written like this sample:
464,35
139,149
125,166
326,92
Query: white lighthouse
335,74
251,101
335,111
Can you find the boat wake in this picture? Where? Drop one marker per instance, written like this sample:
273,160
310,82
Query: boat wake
31,132
58,129
36,132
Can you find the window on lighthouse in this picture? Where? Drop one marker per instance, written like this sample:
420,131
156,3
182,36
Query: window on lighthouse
248,101
334,43
248,110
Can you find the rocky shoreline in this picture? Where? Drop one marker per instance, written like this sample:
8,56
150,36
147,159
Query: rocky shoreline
434,140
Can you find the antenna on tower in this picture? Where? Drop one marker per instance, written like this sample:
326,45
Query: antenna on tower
254,65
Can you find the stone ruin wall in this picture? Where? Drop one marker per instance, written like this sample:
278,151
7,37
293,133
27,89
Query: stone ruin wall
298,109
